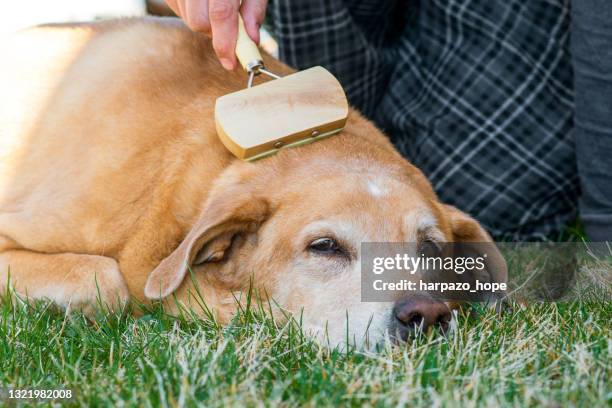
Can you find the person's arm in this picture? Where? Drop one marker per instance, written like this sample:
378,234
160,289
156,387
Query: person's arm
219,19
592,59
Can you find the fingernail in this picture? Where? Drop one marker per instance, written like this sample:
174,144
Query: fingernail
227,64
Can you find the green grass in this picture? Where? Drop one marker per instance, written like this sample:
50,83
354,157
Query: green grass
543,354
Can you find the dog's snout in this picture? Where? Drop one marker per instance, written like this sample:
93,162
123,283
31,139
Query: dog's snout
420,313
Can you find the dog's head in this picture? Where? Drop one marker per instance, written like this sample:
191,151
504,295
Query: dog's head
293,227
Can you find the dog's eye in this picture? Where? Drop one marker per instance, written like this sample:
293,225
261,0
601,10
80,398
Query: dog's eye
327,246
430,248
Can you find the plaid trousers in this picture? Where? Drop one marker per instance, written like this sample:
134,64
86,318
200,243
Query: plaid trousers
476,93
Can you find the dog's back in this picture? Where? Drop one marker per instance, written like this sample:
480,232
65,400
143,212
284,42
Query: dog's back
89,111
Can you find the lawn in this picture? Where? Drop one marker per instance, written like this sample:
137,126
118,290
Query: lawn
543,354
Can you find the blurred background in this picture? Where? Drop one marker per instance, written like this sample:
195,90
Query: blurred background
24,13
20,14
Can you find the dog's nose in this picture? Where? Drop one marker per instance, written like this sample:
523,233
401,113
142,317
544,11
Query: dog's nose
415,313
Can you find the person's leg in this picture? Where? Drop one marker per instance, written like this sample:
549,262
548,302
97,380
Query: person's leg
591,48
344,36
481,101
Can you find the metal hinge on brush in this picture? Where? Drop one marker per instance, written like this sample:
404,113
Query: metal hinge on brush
249,56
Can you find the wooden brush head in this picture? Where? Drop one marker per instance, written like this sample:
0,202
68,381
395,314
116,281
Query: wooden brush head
294,110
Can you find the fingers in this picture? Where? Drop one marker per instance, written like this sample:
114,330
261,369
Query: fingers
196,15
253,13
223,16
193,12
219,18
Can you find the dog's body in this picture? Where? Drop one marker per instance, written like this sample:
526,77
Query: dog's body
112,179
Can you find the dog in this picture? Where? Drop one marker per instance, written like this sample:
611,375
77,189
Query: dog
114,188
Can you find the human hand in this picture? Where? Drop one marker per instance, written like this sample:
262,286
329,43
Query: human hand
219,19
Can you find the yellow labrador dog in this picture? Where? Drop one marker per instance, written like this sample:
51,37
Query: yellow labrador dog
113,184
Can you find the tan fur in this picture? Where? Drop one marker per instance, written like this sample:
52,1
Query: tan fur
109,157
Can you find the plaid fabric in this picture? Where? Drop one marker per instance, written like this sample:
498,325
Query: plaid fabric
476,93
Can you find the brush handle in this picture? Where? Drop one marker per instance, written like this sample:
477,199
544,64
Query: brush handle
246,50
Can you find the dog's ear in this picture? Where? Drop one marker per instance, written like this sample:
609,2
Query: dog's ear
478,242
463,227
230,213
